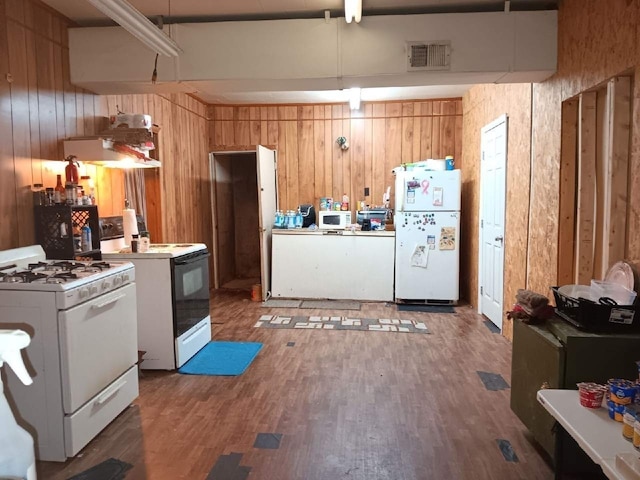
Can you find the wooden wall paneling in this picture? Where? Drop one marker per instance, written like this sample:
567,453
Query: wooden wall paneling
32,76
357,164
293,187
8,210
616,203
457,150
568,169
319,139
23,176
601,189
245,215
585,213
306,162
379,161
283,172
338,154
393,150
58,71
272,126
633,220
328,154
407,133
436,138
426,130
347,156
417,134
368,158
69,98
46,98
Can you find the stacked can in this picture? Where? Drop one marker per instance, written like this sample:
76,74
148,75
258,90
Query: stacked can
621,393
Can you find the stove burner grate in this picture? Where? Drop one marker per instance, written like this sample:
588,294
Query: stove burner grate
33,266
61,277
21,277
65,265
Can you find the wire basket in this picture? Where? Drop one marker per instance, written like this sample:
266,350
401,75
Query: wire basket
596,317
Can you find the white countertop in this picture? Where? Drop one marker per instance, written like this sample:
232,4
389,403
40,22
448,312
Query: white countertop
597,434
346,233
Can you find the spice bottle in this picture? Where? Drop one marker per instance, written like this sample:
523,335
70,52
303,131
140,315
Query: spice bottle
70,193
49,197
59,194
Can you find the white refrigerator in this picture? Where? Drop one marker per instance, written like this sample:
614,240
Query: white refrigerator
427,236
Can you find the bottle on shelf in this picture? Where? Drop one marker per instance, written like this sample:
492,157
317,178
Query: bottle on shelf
71,193
345,202
49,197
89,190
86,239
59,193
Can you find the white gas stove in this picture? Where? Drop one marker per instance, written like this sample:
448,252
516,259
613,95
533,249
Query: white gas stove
75,282
82,320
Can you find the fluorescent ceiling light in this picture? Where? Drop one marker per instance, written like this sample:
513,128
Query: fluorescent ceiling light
134,22
353,10
354,98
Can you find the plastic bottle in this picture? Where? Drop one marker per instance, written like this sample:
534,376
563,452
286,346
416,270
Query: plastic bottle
59,194
298,218
70,193
86,239
17,457
345,202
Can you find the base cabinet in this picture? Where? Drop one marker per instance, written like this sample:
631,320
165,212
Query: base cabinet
559,355
347,266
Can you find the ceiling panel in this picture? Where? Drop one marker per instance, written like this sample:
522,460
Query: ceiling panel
82,12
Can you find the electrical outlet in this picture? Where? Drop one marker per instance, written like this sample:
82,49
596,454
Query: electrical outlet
366,191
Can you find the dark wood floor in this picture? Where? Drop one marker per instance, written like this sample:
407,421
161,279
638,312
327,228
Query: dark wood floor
349,404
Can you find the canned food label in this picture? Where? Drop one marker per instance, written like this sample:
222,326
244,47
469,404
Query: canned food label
621,315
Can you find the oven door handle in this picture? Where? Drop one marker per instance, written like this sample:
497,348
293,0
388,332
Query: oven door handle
192,259
108,302
110,392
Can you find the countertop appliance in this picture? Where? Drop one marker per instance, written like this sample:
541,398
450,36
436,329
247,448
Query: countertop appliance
333,220
375,216
427,226
82,320
172,283
308,215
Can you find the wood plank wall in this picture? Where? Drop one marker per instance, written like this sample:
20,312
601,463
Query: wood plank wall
585,61
310,163
40,107
482,105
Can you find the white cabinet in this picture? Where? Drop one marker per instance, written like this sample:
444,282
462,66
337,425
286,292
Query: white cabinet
343,265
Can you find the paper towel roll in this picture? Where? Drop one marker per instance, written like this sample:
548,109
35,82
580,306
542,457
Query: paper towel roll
129,224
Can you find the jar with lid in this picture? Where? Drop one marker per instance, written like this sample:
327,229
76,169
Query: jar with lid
71,193
38,194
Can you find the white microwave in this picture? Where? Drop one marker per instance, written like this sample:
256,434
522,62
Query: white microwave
334,220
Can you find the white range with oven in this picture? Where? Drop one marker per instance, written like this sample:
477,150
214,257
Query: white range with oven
172,282
83,353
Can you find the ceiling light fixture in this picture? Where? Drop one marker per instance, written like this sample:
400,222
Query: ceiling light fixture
353,10
134,22
354,98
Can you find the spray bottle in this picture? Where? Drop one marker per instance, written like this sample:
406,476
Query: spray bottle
17,457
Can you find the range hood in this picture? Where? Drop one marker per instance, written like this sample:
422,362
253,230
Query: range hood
108,153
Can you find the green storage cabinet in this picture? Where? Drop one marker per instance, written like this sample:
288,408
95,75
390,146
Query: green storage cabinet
560,355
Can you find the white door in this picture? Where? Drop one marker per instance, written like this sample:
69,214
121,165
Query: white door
492,214
267,205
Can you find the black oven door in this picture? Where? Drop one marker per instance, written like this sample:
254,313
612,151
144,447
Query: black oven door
190,290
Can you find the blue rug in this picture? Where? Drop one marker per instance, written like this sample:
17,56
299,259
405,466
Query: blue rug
222,358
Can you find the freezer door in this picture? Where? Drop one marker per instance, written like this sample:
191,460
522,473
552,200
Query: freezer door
431,191
427,256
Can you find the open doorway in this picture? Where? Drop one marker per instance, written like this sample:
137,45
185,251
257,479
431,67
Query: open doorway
244,197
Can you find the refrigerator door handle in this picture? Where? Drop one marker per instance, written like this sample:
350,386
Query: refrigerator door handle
500,239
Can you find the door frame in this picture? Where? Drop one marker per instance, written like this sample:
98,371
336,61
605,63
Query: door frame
490,126
213,194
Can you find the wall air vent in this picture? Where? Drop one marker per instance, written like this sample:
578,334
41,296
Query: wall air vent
428,56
